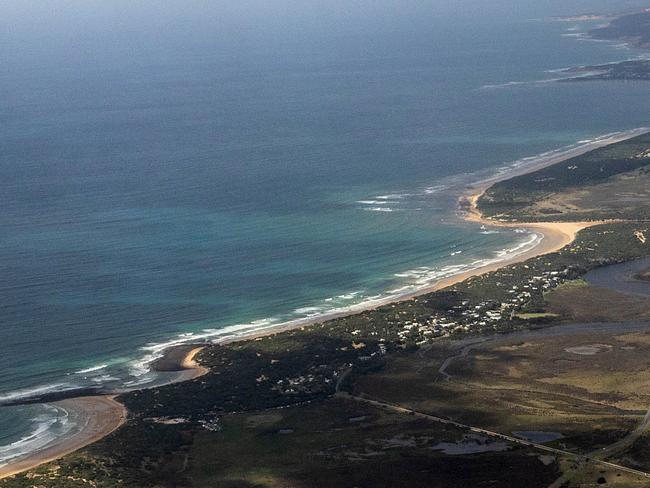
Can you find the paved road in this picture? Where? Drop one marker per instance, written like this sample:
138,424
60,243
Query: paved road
478,430
609,451
597,457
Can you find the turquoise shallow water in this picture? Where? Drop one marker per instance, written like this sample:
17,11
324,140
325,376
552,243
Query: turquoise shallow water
152,190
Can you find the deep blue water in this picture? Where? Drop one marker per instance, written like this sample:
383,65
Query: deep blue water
209,178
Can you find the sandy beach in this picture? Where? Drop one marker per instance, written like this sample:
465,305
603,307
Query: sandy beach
189,363
553,235
103,414
98,416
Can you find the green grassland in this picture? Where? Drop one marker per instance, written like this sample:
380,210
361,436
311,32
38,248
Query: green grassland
584,303
342,443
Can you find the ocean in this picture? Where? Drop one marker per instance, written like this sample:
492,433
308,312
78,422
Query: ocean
191,179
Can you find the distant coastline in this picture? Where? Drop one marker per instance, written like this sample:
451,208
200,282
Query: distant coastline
630,29
104,414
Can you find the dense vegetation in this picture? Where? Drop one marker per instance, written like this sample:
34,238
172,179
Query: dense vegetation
512,199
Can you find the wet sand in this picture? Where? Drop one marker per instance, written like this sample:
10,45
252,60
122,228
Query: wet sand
182,360
98,416
189,363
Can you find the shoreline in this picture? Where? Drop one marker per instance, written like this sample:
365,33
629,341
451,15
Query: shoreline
100,416
554,236
103,414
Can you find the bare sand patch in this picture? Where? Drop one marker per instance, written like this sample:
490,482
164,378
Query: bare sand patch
589,350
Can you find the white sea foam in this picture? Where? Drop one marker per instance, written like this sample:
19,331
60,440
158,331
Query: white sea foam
591,39
393,196
510,84
308,310
349,296
47,427
533,240
398,201
435,189
559,70
104,379
37,391
503,85
413,280
92,369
